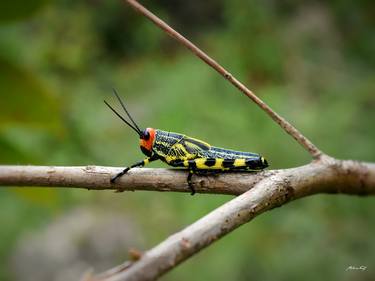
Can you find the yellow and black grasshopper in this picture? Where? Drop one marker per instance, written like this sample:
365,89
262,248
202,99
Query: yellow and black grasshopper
178,150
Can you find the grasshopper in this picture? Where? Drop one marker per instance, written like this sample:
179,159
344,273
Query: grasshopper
178,150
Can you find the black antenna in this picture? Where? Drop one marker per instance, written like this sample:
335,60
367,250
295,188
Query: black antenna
139,132
123,106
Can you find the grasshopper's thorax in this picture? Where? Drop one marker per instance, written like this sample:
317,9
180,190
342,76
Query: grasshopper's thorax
146,141
164,141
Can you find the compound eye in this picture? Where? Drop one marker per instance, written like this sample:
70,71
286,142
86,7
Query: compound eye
146,135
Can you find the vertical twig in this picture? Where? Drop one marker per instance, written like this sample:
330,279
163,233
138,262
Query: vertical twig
289,128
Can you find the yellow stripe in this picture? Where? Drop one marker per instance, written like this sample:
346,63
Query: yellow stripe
146,161
169,159
218,164
200,163
239,163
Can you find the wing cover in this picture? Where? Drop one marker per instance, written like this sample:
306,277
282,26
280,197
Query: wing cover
176,148
195,146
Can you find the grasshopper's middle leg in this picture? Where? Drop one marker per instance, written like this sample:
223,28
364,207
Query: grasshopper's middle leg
200,172
190,164
190,184
138,164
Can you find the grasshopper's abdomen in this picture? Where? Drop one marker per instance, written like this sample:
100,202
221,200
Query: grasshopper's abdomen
225,160
227,164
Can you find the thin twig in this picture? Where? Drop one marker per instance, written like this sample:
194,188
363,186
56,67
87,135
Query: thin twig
289,128
321,177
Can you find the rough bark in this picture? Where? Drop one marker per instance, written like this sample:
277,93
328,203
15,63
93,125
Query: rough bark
324,176
259,192
273,190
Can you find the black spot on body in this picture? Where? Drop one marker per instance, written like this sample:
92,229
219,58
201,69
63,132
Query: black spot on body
176,163
192,165
254,163
210,162
228,163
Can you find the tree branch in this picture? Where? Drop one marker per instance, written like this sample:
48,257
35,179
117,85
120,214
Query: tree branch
274,190
289,128
98,178
262,191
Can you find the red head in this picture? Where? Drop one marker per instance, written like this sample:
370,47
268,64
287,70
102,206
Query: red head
146,141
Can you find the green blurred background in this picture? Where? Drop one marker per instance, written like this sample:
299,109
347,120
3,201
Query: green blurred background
311,61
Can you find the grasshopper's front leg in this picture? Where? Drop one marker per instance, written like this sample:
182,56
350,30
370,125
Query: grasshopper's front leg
138,164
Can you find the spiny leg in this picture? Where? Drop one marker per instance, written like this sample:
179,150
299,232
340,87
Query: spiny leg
202,172
190,164
191,186
194,168
123,172
138,164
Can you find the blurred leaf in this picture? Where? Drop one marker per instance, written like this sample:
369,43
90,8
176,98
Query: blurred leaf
26,98
12,10
9,154
41,196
